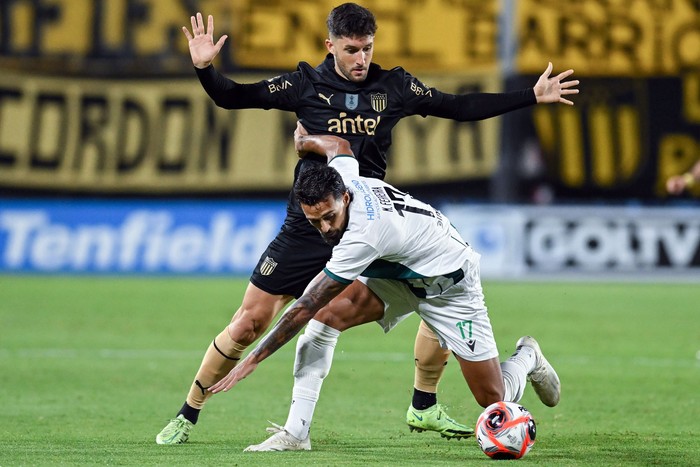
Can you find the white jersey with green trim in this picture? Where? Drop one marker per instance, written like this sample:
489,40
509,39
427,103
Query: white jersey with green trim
392,235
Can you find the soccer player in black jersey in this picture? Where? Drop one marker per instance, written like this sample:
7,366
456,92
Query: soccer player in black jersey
349,96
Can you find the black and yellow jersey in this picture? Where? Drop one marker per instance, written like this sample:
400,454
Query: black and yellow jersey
364,112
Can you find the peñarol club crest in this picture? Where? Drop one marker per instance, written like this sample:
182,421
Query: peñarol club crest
268,266
378,101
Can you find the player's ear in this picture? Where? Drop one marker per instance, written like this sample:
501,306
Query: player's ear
346,198
330,47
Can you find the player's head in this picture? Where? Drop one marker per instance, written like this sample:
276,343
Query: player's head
324,198
351,29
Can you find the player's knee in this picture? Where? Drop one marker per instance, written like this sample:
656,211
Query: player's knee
339,314
248,324
308,345
325,315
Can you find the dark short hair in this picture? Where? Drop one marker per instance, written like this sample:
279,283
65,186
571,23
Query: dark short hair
316,182
351,20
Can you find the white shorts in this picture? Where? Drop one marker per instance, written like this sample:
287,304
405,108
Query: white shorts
458,316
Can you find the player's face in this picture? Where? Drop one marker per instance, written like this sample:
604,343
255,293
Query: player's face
330,217
352,56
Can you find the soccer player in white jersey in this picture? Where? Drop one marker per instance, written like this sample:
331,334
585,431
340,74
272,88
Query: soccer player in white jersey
392,255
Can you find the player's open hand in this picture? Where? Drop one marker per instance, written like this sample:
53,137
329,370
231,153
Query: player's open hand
243,369
553,89
202,46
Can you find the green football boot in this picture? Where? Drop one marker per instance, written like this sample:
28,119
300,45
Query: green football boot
175,432
435,419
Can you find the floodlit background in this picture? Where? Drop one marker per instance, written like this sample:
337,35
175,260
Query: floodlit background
99,105
132,212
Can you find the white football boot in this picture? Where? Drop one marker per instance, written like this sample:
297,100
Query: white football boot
544,379
280,440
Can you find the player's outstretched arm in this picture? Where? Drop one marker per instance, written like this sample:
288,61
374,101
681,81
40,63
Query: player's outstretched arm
202,46
320,291
550,89
326,145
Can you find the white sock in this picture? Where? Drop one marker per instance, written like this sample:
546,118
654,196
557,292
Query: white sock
313,360
515,371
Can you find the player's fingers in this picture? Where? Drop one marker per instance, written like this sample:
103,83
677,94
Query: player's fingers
220,387
200,23
569,84
220,42
565,101
548,70
564,74
210,25
187,33
214,388
569,91
193,22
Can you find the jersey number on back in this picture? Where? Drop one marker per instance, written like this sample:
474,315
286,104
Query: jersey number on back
400,199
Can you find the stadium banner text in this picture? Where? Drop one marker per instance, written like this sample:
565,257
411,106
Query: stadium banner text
135,237
167,136
584,242
634,38
131,37
214,238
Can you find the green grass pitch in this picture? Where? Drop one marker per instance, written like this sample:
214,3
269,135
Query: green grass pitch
92,368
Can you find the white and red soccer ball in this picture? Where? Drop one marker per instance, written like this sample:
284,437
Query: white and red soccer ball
505,430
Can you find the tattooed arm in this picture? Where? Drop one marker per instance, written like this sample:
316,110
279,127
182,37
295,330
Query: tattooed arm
319,292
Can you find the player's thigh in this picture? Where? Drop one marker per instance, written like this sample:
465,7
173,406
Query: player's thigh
484,379
356,305
461,324
290,262
255,314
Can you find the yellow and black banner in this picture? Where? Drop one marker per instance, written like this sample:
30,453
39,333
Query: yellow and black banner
167,136
143,37
632,38
622,139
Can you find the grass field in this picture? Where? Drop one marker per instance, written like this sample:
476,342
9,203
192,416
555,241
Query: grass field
92,368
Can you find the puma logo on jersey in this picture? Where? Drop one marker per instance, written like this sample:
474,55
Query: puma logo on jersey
327,99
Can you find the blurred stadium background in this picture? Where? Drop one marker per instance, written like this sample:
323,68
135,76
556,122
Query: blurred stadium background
115,165
114,161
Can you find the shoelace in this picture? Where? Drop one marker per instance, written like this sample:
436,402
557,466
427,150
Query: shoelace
275,428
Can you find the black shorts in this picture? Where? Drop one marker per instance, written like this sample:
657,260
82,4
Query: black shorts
291,261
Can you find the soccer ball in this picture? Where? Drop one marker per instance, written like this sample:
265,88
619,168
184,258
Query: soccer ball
505,430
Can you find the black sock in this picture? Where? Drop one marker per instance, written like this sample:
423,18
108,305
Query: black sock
190,413
423,400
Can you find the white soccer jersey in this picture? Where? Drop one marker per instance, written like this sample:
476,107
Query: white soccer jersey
392,235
